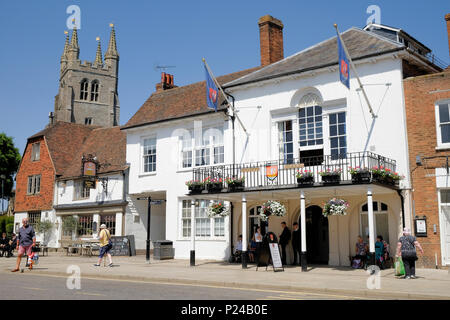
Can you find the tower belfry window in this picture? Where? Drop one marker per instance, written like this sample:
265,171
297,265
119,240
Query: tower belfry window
84,90
94,91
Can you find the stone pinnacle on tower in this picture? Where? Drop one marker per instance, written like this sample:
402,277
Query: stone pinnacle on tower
74,48
66,47
98,57
112,53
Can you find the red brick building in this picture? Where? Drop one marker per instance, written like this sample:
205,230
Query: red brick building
427,100
46,156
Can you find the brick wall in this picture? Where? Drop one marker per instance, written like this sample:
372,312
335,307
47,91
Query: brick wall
44,167
421,95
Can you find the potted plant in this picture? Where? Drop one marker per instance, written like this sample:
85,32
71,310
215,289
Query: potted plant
195,186
359,175
305,177
217,209
335,207
70,224
235,184
385,175
272,208
44,227
331,176
213,184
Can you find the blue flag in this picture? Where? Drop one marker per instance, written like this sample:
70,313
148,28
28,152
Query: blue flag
344,70
212,93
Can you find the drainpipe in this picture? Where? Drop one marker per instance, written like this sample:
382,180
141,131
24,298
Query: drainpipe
402,199
231,228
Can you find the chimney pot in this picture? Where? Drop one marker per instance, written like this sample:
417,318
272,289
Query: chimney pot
271,39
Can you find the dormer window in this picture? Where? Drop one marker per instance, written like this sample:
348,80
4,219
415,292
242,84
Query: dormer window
84,90
94,90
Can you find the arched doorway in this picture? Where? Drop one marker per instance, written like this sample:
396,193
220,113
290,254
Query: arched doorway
317,238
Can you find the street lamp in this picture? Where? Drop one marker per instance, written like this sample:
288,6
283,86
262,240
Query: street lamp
3,177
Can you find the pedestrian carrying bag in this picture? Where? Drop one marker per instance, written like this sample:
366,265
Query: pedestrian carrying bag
399,267
109,245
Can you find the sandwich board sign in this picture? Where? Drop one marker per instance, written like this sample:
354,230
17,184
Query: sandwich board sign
276,257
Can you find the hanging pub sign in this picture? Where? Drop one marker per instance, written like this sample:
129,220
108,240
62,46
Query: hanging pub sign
89,166
89,169
89,184
272,172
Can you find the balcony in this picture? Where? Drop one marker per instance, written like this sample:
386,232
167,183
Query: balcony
279,174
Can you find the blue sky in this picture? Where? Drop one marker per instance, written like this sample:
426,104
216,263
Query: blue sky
176,33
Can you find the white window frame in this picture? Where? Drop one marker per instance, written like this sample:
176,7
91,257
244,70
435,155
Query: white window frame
316,146
79,191
34,188
212,223
445,260
212,144
141,157
328,114
440,145
36,151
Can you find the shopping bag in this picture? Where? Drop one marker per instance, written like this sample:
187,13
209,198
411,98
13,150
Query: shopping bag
399,267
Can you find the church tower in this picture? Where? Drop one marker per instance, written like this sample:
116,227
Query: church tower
88,90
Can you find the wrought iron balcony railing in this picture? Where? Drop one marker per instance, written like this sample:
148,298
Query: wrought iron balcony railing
282,173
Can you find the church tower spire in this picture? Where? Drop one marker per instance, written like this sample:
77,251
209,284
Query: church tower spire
98,56
74,48
112,53
64,56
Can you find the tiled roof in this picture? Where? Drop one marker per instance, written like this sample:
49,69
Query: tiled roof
178,102
107,144
64,140
360,44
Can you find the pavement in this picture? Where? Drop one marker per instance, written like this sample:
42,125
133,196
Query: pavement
431,283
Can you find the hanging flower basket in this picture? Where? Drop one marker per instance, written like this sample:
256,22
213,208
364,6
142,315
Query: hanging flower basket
335,207
217,210
272,208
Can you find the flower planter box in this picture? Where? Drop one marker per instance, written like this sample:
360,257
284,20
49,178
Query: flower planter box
195,189
361,177
331,179
305,181
214,187
236,186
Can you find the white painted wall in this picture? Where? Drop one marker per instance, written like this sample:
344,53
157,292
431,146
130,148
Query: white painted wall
278,100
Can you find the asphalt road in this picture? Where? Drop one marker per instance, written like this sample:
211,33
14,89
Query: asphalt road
24,286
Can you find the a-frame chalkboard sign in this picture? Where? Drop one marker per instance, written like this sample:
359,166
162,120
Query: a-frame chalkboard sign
270,254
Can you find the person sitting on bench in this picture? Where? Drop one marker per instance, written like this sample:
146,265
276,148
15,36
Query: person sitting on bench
4,244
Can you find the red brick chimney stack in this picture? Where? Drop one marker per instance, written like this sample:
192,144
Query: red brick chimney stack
447,19
166,82
271,40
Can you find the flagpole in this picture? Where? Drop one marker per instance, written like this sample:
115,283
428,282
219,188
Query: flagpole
356,73
225,96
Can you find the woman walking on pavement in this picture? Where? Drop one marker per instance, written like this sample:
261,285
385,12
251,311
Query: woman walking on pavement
105,245
406,247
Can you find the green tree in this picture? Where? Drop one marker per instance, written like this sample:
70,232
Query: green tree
9,163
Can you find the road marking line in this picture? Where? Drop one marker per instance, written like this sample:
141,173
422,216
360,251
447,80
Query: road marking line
90,294
282,298
34,288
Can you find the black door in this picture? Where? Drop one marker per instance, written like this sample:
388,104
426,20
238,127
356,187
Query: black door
317,246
